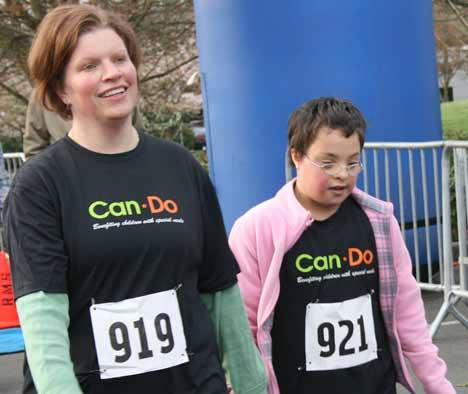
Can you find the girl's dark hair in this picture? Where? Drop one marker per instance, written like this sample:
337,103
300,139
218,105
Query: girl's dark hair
333,113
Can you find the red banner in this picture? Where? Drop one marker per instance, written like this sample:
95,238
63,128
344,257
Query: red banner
8,314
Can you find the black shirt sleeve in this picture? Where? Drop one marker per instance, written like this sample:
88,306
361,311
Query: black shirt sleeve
219,268
33,234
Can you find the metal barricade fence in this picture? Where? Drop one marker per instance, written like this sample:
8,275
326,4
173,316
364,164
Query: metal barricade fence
408,175
428,184
12,163
455,203
422,180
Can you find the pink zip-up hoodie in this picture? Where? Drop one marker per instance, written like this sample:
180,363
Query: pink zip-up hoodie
262,236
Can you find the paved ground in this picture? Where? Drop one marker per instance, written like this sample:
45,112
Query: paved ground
452,339
10,373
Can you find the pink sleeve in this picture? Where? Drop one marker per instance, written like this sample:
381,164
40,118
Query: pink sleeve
243,245
412,326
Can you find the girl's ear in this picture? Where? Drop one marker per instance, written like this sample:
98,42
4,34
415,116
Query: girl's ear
296,157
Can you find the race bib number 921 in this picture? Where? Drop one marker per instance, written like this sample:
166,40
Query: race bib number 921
340,335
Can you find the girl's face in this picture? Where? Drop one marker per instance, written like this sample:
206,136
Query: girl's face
100,82
318,192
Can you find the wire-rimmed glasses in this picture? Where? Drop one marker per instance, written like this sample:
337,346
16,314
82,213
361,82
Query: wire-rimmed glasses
333,169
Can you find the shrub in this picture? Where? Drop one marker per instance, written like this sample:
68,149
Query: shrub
171,124
202,157
454,135
11,144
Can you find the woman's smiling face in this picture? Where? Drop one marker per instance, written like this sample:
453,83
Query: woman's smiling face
100,82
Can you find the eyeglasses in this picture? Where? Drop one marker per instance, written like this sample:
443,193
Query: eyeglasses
333,169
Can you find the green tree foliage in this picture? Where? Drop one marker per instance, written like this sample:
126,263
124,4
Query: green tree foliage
166,33
451,36
171,124
11,144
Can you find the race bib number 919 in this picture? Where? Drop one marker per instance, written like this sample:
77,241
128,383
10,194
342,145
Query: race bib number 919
138,335
340,335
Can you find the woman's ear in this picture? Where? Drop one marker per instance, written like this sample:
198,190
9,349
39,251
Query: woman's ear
62,93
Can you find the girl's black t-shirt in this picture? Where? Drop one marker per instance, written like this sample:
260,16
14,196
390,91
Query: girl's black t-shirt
110,227
333,261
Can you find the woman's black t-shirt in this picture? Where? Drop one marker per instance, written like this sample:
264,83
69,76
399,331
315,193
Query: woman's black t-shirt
111,227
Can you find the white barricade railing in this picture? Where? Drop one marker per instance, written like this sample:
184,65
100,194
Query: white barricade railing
12,163
421,179
454,171
408,175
